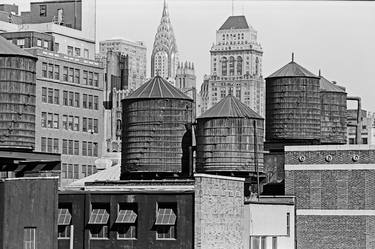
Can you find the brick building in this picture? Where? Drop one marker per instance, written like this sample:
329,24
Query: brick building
334,189
23,201
69,111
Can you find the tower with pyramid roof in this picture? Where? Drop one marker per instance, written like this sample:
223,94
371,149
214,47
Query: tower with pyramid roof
164,57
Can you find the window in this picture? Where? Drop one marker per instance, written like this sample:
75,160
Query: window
65,73
71,98
65,97
98,221
65,122
231,65
44,144
43,10
76,123
56,96
71,74
70,171
29,238
89,148
166,221
76,147
70,147
96,102
39,42
50,71
85,77
57,72
50,120
55,145
44,94
43,120
50,95
44,70
84,101
288,224
70,123
95,149
96,79
63,221
45,44
95,126
76,76
21,43
89,126
56,121
65,147
255,242
76,171
90,102
83,170
64,170
86,53
364,140
224,62
76,99
264,242
77,51
49,145
70,50
84,148
57,47
239,65
90,78
126,221
84,124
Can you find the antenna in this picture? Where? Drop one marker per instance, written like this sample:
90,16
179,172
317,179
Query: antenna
319,73
292,57
232,7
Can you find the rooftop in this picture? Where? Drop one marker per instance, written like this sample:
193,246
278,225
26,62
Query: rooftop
235,22
157,88
327,86
230,107
9,49
292,69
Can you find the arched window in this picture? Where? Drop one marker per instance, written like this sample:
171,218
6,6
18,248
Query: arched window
231,65
239,65
256,66
224,62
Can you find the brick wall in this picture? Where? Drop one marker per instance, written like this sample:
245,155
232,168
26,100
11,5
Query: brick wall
335,195
219,210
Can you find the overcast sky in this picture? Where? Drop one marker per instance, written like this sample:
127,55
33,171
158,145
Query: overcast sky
336,37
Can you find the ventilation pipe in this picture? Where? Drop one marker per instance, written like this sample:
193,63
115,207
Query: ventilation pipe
358,135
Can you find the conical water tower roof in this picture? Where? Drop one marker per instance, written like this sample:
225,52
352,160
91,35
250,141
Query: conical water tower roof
230,107
9,49
292,69
157,88
327,86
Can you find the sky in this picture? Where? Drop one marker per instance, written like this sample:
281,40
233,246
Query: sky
336,37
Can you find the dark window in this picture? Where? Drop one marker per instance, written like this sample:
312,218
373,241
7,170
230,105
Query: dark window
90,78
50,95
56,96
65,74
65,122
65,98
364,140
288,224
50,120
84,148
76,171
76,76
89,126
84,124
95,149
224,68
44,144
166,221
44,70
56,121
90,104
77,51
49,145
96,79
70,123
76,99
55,145
44,94
70,147
57,72
71,98
65,147
98,221
89,148
71,74
95,126
274,242
76,123
84,101
42,10
231,65
126,221
85,77
43,120
63,221
239,65
50,71
76,147
96,102
70,50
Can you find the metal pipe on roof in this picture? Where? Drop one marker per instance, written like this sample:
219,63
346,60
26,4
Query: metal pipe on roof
358,136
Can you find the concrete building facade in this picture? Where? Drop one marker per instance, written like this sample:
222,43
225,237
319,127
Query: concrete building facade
69,111
334,190
136,52
367,126
186,82
236,66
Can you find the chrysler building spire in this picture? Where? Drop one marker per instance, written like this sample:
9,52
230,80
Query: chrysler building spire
164,56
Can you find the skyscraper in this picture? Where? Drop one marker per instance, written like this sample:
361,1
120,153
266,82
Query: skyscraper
164,57
236,66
